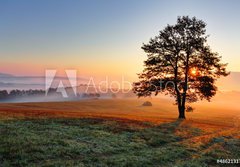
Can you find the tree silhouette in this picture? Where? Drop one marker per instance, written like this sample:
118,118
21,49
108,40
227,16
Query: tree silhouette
181,64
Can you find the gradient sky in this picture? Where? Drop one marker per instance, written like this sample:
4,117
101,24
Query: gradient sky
103,37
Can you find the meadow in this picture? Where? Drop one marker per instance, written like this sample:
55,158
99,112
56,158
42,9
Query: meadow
117,132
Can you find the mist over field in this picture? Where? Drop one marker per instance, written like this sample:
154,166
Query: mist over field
228,88
10,82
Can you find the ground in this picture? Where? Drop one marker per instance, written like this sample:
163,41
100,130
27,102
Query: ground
117,132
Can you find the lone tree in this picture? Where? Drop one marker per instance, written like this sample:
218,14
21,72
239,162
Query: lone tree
181,64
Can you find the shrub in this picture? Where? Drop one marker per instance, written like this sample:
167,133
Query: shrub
147,103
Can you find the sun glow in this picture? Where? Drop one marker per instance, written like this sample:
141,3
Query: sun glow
194,71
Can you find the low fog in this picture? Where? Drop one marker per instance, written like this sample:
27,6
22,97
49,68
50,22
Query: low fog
229,91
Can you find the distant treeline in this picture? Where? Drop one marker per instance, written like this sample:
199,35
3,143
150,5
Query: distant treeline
20,93
13,94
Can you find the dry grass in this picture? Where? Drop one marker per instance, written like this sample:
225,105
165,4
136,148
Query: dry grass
207,116
209,133
214,119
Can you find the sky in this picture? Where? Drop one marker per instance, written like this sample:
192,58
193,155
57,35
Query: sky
103,37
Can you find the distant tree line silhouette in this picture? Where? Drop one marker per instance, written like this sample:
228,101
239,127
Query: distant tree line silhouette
16,93
4,94
90,95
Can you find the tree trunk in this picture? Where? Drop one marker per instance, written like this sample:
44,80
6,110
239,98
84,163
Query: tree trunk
181,112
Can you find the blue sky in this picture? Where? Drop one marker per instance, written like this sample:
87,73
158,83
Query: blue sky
103,37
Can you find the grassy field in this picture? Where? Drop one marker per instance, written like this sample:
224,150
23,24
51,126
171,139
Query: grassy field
117,133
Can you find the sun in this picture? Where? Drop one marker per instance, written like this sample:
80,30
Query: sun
194,71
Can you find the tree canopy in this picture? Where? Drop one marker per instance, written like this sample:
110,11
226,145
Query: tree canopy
181,63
